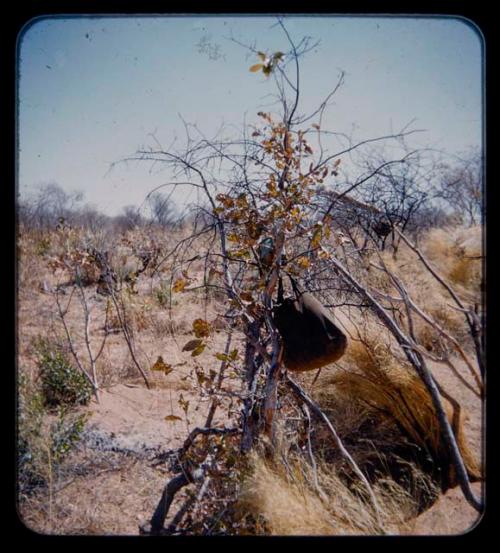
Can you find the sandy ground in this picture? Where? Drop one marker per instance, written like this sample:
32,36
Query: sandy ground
135,417
450,515
119,484
129,423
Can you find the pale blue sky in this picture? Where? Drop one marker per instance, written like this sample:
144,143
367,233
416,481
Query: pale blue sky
92,89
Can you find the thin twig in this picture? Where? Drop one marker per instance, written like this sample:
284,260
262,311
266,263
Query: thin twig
422,370
316,409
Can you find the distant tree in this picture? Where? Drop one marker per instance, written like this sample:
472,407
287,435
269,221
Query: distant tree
133,217
460,186
162,209
89,217
48,205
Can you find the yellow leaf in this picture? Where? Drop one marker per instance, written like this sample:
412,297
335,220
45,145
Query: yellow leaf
240,253
261,55
161,366
200,377
198,350
303,262
201,328
256,67
172,418
179,285
192,345
316,238
222,357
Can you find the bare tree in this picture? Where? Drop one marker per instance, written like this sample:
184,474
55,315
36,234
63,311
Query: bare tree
461,186
131,218
162,209
262,219
50,203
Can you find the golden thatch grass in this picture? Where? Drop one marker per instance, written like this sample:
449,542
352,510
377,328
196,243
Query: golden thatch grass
281,497
388,390
455,253
377,406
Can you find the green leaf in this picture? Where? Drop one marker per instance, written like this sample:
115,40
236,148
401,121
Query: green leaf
262,56
199,349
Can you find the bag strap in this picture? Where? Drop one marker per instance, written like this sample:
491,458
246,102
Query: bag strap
297,291
295,286
280,290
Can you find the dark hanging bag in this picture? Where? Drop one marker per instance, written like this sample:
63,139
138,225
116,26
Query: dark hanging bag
311,339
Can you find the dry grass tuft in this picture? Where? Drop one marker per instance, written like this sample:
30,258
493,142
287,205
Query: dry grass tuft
287,508
456,255
457,252
388,391
281,497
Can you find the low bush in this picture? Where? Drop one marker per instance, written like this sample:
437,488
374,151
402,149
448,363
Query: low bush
61,383
42,445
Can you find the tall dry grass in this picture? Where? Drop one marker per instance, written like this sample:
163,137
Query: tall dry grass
280,496
456,255
391,404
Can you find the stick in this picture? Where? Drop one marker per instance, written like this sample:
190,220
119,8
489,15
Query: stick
316,409
419,365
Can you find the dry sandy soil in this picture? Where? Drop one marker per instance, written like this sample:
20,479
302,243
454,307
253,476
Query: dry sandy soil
114,482
127,429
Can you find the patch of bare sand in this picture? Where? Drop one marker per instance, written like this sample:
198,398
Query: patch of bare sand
450,515
123,488
135,416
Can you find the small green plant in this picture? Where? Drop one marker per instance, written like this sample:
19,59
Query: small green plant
42,246
42,447
162,294
61,383
29,423
65,433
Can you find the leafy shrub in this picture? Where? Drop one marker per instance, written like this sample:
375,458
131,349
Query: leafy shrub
62,383
29,424
65,433
41,447
42,246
